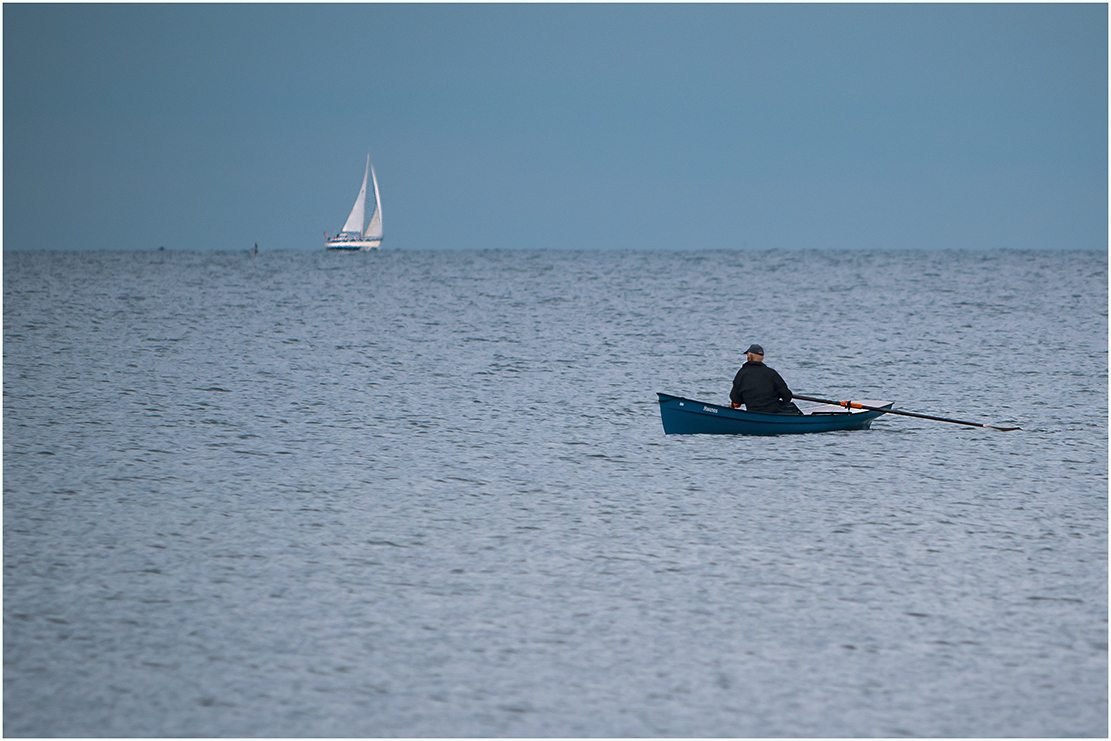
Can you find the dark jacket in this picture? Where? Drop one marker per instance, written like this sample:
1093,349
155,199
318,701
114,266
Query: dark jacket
761,389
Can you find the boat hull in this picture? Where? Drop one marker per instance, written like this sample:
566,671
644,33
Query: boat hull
353,245
688,417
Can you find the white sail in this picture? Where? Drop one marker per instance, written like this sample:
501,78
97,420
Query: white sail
374,229
354,222
352,238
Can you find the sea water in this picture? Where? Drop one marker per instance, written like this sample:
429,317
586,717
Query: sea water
428,494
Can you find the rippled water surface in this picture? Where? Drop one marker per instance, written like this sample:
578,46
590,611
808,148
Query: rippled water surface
429,494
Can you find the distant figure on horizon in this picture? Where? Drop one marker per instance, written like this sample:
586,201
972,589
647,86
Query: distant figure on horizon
256,248
760,388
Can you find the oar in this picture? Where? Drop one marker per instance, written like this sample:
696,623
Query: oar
855,405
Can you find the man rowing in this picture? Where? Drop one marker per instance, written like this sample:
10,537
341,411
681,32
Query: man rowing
760,388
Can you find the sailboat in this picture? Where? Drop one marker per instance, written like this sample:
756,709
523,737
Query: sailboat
352,236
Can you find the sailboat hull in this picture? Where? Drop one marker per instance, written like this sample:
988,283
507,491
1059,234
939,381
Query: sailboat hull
353,246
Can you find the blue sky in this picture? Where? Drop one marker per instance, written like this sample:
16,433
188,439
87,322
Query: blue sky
558,126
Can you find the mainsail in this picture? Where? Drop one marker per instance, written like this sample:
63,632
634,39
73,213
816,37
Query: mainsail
374,228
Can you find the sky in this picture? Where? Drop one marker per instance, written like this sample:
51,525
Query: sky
569,126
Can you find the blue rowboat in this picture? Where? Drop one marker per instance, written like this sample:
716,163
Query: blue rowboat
688,417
